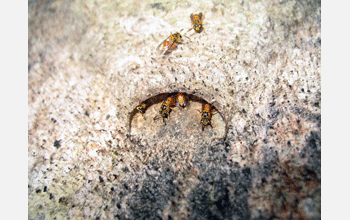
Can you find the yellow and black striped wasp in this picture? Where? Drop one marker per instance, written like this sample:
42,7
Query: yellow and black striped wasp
206,114
170,43
166,108
197,22
182,99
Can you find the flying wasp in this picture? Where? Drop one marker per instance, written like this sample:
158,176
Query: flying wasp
197,22
207,113
170,43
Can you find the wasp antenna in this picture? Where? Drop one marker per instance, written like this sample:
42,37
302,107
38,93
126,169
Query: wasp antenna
188,37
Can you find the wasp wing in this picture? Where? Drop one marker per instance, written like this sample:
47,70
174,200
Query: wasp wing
163,42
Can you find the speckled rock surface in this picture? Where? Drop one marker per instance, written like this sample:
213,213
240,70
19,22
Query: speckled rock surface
91,63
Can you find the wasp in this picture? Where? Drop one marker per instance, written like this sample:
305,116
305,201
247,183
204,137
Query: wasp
182,100
141,108
170,43
168,47
197,22
166,108
207,113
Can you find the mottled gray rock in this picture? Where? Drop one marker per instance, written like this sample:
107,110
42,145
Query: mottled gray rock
91,63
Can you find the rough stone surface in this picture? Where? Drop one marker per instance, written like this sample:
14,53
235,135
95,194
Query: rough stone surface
91,63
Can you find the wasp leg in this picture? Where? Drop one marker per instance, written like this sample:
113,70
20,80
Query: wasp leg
136,114
189,30
156,118
188,103
186,36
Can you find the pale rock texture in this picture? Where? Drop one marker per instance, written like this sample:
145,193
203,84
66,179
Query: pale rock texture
92,62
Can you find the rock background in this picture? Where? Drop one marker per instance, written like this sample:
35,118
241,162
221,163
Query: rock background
91,62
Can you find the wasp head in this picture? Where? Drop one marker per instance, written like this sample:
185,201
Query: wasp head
164,114
205,121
